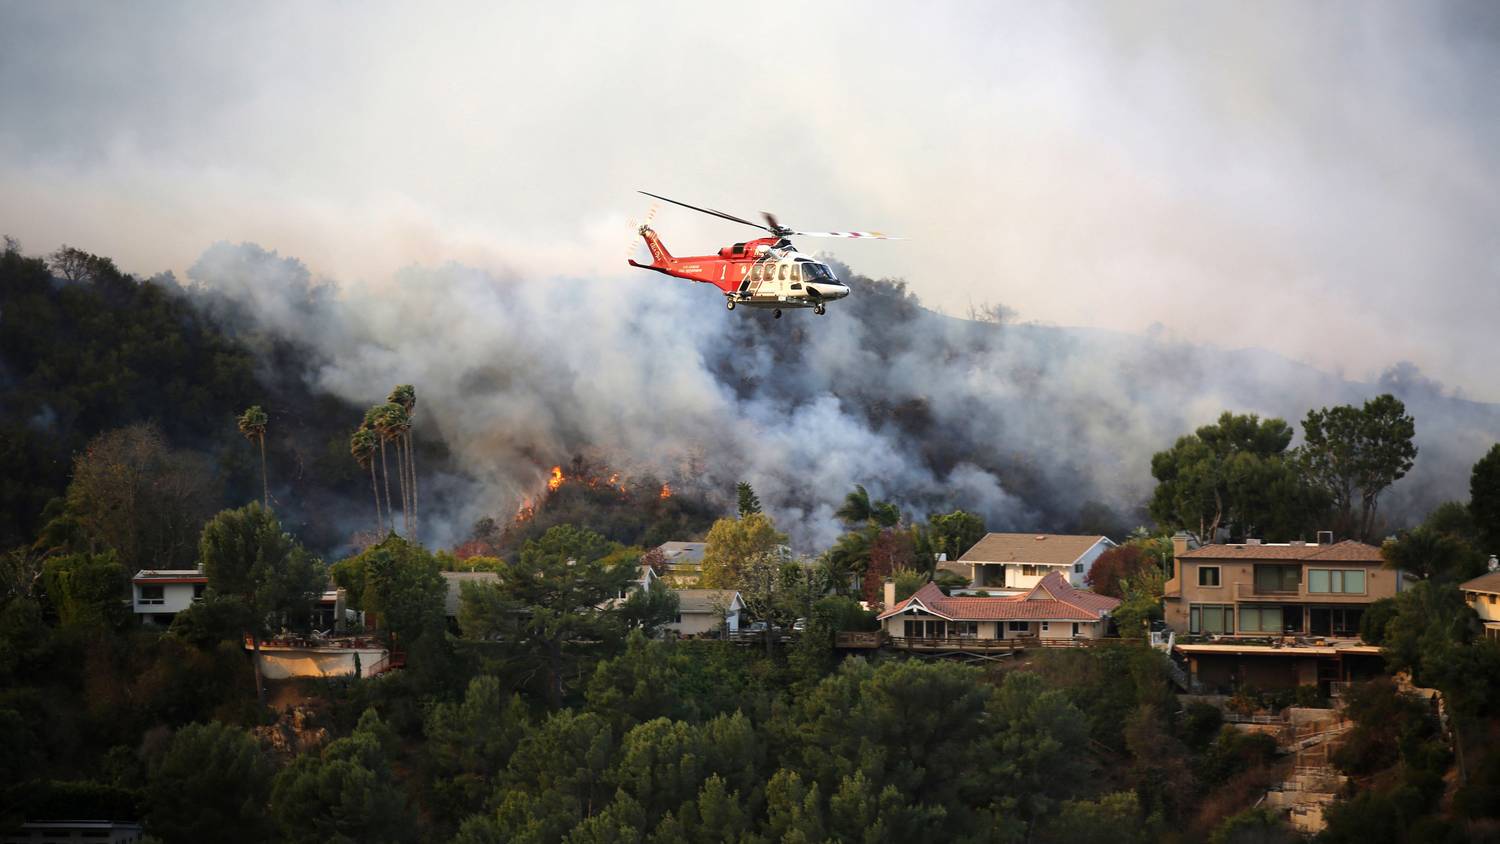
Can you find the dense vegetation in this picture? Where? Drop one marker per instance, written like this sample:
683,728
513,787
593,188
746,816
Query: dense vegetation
135,413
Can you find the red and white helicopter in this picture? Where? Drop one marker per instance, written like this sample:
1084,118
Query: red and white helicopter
767,272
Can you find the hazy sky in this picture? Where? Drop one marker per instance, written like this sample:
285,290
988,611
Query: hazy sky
1316,178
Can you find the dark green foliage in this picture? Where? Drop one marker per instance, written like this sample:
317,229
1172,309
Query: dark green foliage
953,533
1234,474
1484,499
748,501
1429,553
1233,751
1200,724
247,557
345,793
559,592
1112,819
87,591
648,609
398,585
210,784
1353,454
1254,826
1376,619
94,352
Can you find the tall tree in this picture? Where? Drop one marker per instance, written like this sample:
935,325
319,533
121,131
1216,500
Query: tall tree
1484,499
1232,474
406,396
954,533
362,444
1429,553
211,784
346,792
248,558
733,544
748,501
392,424
253,427
1355,453
373,422
559,592
398,585
133,493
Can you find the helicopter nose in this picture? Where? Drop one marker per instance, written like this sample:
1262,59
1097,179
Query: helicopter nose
835,291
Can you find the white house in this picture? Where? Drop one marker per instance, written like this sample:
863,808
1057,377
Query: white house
1021,560
1483,594
158,595
706,610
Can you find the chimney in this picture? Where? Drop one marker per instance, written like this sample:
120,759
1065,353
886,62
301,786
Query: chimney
1325,537
890,592
1181,543
1494,563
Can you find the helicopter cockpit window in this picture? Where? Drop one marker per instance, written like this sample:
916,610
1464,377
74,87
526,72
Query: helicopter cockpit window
816,272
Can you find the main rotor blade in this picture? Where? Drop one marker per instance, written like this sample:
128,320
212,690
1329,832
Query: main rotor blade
866,235
710,211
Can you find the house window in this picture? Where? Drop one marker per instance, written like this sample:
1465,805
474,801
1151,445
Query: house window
153,594
1208,575
1275,620
1210,618
1273,579
1018,626
966,629
1078,568
1336,581
678,619
1492,599
198,589
1045,627
1075,630
917,628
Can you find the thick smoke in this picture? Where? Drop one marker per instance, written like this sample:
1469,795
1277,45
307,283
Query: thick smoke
1037,428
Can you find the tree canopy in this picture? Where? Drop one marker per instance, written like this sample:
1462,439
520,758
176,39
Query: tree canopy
1235,474
1353,454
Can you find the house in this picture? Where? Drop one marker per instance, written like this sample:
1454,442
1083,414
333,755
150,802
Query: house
1021,560
1275,589
50,831
683,560
706,611
455,580
1483,594
158,595
1275,615
1052,609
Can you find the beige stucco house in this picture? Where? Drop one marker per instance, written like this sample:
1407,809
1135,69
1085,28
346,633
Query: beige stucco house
1262,589
1020,560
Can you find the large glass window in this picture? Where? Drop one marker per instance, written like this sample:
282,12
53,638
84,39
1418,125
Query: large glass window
1271,619
153,594
966,629
1018,626
1277,578
1209,618
1334,581
1208,575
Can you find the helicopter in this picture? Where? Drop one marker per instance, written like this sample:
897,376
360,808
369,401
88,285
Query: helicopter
767,272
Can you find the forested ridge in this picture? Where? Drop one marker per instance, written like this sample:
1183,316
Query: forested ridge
549,709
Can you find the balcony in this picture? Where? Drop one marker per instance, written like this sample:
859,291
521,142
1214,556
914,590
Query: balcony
1246,592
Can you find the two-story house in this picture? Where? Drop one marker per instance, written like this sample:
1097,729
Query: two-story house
1262,589
1483,594
158,595
1020,560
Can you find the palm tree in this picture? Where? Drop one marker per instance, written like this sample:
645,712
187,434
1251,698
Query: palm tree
253,425
372,423
362,449
857,508
406,396
392,423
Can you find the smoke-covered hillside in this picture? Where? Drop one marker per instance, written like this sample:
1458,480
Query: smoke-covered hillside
1037,428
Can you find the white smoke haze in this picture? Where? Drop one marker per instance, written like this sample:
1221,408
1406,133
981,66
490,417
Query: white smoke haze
1314,179
1028,425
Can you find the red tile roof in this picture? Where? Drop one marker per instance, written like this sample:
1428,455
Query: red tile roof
1053,599
1347,551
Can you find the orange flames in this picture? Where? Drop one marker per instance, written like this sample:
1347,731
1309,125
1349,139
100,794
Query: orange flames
557,478
666,492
